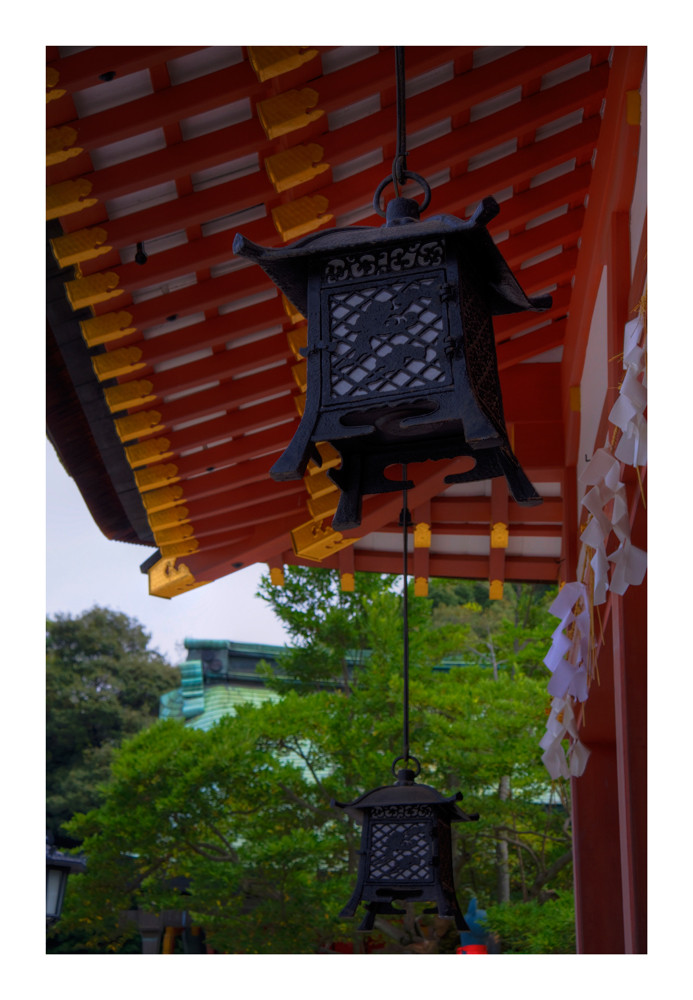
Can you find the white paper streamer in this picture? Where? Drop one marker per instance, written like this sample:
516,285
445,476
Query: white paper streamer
570,657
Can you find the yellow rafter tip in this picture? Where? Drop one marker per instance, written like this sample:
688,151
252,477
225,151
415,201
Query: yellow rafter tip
301,216
53,92
422,535
106,328
138,425
314,541
85,244
167,496
324,505
153,477
298,338
83,292
269,61
68,197
60,145
300,374
168,580
112,364
292,312
277,576
154,450
295,166
135,393
495,590
168,518
346,582
499,535
319,483
288,112
182,548
330,458
173,533
421,586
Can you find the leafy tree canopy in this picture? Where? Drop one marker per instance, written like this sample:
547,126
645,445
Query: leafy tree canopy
103,684
243,811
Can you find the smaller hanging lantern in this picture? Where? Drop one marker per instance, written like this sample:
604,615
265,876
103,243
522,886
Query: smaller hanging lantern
406,848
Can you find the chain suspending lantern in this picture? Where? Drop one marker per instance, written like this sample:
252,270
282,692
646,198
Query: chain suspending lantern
401,357
406,839
401,367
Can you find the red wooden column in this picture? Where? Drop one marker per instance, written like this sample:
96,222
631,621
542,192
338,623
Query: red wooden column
629,637
610,798
596,842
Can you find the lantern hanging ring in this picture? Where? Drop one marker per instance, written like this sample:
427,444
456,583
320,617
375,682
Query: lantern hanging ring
400,174
407,758
392,180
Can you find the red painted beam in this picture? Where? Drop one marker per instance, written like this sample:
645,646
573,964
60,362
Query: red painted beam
531,392
529,161
513,352
176,161
208,515
466,511
223,456
278,414
506,327
459,95
228,396
83,69
370,76
455,566
206,294
213,332
168,106
234,478
222,365
533,203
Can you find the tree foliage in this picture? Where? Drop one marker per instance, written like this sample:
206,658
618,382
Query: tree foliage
102,685
243,811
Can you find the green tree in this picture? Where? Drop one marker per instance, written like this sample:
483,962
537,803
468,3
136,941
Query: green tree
244,810
102,685
514,632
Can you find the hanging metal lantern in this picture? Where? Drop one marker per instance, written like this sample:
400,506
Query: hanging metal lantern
401,359
406,849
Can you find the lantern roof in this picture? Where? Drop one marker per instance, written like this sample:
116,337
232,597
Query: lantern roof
289,267
406,792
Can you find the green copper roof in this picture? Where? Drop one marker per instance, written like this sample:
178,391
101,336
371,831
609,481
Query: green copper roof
223,699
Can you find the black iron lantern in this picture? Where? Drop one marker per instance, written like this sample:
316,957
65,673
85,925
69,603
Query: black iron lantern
401,359
406,849
58,868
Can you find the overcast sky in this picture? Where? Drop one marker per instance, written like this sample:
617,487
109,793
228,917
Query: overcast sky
84,568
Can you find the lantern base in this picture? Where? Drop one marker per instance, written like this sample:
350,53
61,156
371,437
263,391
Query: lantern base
374,908
362,472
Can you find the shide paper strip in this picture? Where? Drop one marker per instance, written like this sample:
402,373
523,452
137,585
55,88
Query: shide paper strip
562,724
570,657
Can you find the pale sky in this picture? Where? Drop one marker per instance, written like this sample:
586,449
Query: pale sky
84,568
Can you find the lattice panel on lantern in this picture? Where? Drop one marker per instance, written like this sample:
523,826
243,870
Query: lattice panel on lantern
387,337
400,852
